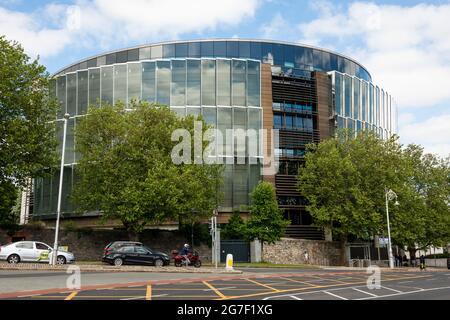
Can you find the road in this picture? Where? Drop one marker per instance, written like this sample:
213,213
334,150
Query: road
253,284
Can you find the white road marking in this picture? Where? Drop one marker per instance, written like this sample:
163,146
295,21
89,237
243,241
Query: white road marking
334,295
398,291
134,286
30,295
406,281
405,293
134,298
295,298
365,292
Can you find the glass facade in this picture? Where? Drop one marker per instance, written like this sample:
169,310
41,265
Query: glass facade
289,56
365,106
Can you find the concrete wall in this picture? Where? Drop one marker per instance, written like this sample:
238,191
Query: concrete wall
88,244
292,251
439,263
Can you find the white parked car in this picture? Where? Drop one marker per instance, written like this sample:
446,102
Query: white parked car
33,251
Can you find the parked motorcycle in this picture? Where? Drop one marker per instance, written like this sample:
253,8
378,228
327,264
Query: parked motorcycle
179,260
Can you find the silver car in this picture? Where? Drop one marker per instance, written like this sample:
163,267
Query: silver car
33,251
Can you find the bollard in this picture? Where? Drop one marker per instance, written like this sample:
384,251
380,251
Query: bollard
229,262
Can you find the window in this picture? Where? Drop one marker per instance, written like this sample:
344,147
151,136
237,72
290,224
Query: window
107,84
255,50
208,82
278,54
168,51
72,94
156,52
69,152
120,83
254,123
278,121
133,55
193,82
220,49
178,83
61,95
288,122
148,81
356,98
240,122
267,52
224,122
181,50
111,58
338,93
209,114
240,185
121,57
238,79
141,250
82,95
348,96
194,49
244,49
144,53
134,81
207,49
126,250
224,82
41,246
25,245
94,86
163,82
253,87
232,49
289,56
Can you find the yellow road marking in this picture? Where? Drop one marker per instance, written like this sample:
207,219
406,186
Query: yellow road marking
263,285
334,280
148,295
71,296
220,294
302,289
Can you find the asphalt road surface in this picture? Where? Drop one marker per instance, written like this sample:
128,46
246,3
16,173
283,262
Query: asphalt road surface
284,284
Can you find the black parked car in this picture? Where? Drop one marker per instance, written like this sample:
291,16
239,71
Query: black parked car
113,246
135,254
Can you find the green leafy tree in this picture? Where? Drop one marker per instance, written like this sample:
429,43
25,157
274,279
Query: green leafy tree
127,173
235,228
8,199
27,135
266,221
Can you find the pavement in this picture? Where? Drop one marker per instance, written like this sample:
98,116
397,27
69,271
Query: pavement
253,284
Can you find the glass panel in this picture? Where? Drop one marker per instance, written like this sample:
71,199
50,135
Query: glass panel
163,82
356,100
82,92
278,121
240,185
72,94
220,49
156,52
144,53
278,54
267,52
224,122
255,176
69,152
208,82
255,50
61,95
240,122
239,86
181,50
254,123
289,56
232,49
178,83
133,55
94,86
338,93
107,84
209,114
193,82
168,51
207,49
92,63
224,82
348,96
134,81
120,83
228,187
253,88
333,62
190,111
111,58
244,49
121,57
148,81
181,112
364,101
194,49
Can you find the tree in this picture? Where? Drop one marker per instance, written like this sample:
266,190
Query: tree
344,180
126,171
27,135
266,221
235,228
8,198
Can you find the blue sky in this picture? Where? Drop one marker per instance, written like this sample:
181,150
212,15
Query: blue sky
404,44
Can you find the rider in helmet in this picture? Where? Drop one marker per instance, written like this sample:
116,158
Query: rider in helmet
185,251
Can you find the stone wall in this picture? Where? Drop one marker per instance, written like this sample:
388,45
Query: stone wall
291,251
88,244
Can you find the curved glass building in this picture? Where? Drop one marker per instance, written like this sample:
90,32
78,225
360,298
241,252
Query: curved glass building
303,91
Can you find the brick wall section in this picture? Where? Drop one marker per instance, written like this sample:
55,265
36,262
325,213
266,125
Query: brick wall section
89,244
291,251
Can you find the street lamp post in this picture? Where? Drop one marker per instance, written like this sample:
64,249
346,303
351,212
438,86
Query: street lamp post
61,176
390,195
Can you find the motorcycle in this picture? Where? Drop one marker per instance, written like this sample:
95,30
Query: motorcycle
179,260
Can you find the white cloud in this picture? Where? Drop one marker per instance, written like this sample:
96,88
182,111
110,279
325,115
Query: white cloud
433,133
407,49
277,27
107,23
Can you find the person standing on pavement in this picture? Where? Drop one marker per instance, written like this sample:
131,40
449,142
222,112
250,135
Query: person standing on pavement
422,262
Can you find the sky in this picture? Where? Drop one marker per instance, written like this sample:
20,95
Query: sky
405,45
